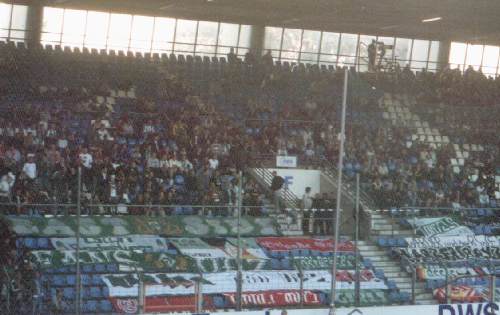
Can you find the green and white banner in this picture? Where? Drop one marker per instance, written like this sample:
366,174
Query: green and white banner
131,242
127,260
225,282
174,226
443,226
476,241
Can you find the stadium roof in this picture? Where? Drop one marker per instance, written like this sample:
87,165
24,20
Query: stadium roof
462,20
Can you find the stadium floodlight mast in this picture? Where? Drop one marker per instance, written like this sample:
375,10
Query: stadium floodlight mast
339,194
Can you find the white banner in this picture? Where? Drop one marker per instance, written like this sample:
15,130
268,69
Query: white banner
476,241
286,161
443,226
196,248
225,282
132,242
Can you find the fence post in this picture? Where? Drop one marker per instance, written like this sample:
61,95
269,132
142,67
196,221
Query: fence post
239,288
356,244
301,276
448,285
413,282
199,294
141,294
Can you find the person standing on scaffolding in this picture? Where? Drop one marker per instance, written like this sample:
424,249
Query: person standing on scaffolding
372,55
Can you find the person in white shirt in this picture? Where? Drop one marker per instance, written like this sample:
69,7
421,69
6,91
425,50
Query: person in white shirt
213,162
173,161
86,158
6,184
29,167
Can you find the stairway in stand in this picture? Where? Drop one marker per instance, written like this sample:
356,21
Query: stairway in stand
383,225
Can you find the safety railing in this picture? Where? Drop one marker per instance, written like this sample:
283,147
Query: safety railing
286,195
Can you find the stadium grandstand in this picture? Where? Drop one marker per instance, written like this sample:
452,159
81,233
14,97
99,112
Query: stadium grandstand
249,157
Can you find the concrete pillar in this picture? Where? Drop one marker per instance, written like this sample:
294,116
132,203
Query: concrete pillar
34,23
444,54
257,39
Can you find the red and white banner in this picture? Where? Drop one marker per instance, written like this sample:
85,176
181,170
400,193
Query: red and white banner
291,243
275,298
163,304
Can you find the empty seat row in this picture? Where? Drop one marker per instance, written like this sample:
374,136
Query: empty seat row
69,293
70,280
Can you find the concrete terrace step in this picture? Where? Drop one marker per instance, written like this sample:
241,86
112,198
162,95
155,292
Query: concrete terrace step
384,264
406,233
396,274
378,258
373,253
388,270
403,285
368,248
383,227
404,279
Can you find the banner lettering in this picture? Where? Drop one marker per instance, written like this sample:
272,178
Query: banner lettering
291,243
225,282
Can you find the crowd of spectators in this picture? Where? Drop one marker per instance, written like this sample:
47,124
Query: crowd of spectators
195,124
18,285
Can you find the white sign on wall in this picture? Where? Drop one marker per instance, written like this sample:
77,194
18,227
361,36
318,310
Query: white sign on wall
296,180
286,161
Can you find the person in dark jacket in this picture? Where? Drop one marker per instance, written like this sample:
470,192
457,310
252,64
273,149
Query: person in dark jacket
276,186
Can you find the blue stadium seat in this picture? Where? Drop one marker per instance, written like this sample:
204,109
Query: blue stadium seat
105,291
95,292
90,306
87,268
105,306
391,285
96,280
286,264
42,243
402,242
85,293
219,302
86,279
58,280
71,280
100,268
30,242
69,293
112,268
392,242
275,264
382,242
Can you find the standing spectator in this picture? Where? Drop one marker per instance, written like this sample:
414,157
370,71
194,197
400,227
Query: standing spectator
29,168
231,57
276,186
267,59
307,202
